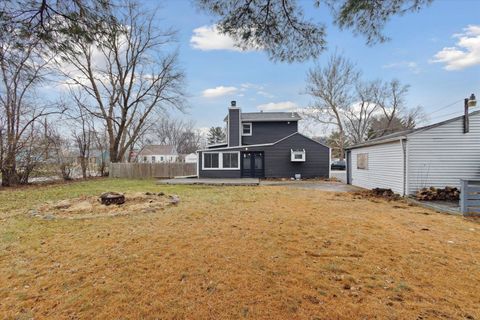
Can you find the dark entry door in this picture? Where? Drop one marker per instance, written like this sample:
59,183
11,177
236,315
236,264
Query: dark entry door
253,164
349,167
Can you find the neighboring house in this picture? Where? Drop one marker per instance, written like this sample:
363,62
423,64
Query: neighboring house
157,154
190,158
264,144
437,155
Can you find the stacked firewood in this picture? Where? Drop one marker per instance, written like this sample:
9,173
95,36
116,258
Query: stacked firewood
432,193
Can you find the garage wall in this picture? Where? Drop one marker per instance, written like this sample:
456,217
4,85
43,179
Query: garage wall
385,167
441,156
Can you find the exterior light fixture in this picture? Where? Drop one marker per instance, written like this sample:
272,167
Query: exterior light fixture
472,102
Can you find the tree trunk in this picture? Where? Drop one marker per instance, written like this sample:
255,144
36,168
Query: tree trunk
84,165
9,176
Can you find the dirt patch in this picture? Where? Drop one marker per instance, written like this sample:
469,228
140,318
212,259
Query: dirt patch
90,206
386,194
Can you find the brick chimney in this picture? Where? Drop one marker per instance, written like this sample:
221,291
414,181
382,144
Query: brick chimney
233,125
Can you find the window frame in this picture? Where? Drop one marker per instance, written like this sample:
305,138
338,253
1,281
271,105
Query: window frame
294,153
365,155
249,124
220,160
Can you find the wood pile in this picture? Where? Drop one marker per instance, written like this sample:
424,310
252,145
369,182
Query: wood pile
432,193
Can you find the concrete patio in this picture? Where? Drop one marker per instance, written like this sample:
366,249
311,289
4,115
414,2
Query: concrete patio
212,182
302,184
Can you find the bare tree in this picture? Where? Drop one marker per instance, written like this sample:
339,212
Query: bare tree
395,115
332,89
61,153
83,136
22,69
359,116
133,79
100,144
189,142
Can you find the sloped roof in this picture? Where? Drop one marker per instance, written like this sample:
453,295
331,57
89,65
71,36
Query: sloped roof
154,149
264,144
268,116
404,133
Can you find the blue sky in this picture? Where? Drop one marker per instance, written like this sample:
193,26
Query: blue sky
253,80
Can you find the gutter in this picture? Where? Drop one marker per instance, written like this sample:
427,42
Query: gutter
373,143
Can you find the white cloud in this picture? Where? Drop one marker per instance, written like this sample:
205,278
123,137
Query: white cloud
410,65
278,106
465,54
218,91
208,38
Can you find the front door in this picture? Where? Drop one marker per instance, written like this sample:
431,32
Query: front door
253,164
349,167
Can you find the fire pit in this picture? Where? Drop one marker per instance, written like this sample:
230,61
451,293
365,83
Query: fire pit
109,198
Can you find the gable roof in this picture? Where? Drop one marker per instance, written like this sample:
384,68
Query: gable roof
154,149
403,134
268,116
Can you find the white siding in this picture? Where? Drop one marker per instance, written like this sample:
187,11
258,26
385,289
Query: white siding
385,167
443,155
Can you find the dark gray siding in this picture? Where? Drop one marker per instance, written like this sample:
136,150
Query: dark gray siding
233,127
269,132
277,160
278,164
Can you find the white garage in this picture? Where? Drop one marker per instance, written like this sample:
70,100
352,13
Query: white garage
438,155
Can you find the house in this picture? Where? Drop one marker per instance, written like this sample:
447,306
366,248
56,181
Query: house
264,144
190,158
155,153
437,155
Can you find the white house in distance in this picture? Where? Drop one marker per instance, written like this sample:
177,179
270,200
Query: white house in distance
191,158
437,155
155,153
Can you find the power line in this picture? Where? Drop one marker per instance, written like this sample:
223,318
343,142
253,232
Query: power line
444,107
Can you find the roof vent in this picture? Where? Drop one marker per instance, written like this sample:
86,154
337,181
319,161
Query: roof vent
233,103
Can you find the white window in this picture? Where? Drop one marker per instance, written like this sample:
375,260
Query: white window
230,160
246,129
153,159
221,160
297,155
145,159
211,161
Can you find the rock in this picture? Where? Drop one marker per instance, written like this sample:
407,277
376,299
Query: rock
64,204
174,199
34,213
161,194
49,217
346,286
149,193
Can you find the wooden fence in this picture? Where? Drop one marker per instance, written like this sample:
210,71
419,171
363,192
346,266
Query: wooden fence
151,170
470,197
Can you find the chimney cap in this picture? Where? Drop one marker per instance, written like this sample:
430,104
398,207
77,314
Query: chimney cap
233,103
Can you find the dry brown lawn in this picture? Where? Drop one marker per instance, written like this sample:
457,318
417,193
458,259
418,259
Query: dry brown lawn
234,253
